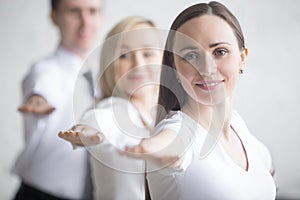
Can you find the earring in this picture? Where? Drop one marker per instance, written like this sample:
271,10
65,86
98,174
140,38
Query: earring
178,80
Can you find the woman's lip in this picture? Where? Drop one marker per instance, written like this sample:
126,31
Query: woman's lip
208,82
136,77
208,85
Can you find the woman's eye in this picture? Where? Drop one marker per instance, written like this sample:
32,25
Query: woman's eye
125,56
191,56
148,54
220,52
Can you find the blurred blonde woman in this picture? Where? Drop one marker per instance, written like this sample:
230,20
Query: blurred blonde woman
129,68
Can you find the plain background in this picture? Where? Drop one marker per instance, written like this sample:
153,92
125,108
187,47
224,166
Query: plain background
267,96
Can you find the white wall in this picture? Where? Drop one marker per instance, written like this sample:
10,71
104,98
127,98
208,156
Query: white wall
266,97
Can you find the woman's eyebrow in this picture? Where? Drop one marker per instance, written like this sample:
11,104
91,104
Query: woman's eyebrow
188,48
124,46
210,46
218,43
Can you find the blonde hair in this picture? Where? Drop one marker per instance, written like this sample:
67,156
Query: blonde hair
108,53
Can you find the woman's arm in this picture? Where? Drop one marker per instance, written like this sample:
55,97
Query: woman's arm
163,149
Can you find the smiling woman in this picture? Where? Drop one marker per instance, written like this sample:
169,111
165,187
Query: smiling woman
201,148
211,63
266,94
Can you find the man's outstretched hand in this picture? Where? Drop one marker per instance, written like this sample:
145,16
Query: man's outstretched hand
37,105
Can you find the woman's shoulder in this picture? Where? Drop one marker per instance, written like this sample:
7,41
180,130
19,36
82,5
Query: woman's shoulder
239,124
171,122
110,102
255,144
119,109
177,121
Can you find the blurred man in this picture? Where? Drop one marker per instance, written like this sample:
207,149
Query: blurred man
48,167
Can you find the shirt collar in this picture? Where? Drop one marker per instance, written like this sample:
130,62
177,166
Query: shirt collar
68,57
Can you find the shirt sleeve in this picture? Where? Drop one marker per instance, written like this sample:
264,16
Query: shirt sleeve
43,81
115,133
182,147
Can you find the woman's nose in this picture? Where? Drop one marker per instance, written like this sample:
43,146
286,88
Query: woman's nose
138,59
208,66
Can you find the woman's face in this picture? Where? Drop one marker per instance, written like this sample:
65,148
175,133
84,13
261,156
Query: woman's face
140,63
208,59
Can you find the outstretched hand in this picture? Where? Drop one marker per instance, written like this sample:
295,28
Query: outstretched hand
81,135
160,149
37,105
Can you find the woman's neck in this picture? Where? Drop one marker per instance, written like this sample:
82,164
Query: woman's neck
216,117
145,100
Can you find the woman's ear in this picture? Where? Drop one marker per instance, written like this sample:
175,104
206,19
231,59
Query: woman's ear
54,17
244,55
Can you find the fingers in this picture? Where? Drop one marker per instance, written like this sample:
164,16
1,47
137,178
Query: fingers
26,108
47,111
71,136
23,109
67,134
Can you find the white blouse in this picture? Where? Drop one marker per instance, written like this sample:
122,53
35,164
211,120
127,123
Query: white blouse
117,176
215,175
